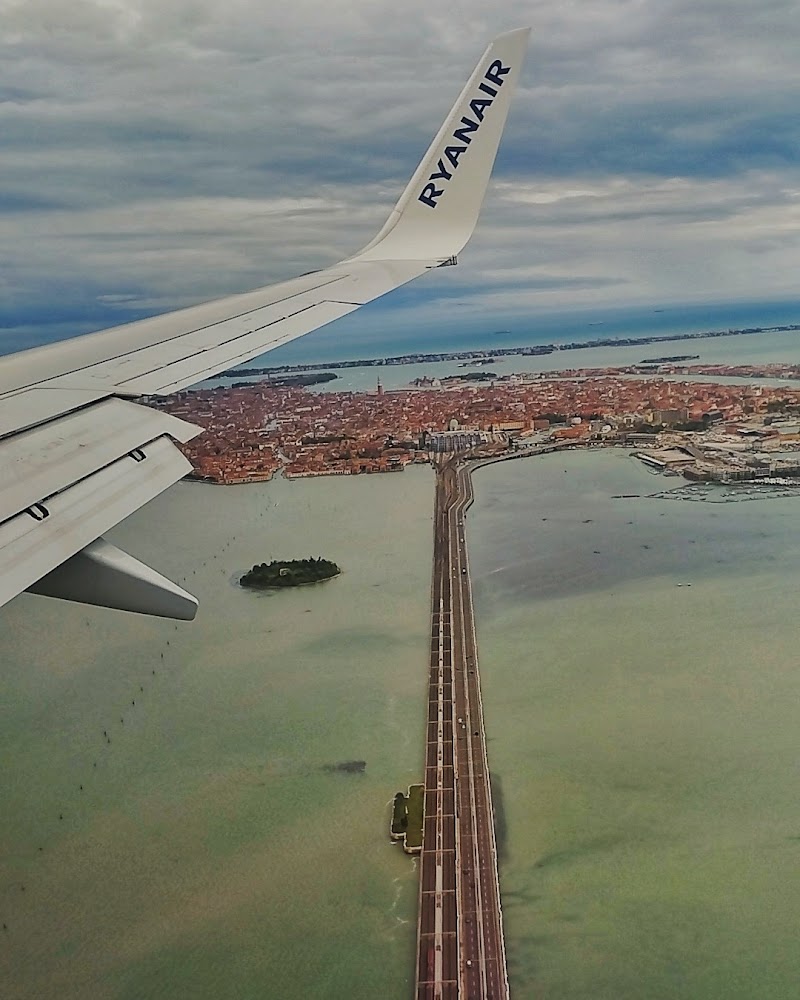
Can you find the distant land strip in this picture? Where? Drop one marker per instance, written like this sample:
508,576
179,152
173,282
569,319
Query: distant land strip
503,352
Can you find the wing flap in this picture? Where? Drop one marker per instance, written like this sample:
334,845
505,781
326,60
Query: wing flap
44,460
35,541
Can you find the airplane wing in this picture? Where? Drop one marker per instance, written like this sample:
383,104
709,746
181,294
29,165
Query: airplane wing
78,455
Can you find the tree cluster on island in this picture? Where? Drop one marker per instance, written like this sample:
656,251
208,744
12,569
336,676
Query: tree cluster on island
289,573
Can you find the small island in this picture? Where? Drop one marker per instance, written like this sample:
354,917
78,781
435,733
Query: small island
289,573
408,817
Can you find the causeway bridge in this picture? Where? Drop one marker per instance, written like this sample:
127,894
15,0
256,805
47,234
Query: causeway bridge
460,943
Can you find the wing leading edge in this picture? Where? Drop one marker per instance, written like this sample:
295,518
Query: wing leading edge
74,464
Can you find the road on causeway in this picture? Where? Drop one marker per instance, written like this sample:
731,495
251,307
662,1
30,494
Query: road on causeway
460,944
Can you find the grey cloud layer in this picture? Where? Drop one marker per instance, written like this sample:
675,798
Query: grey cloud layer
155,154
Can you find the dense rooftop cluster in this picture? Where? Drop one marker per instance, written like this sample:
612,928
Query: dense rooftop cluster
774,370
251,431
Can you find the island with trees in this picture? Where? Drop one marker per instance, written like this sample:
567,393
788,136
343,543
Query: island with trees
408,816
289,573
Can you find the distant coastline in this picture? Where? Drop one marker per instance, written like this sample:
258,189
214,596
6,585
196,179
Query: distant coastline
289,381
670,358
480,354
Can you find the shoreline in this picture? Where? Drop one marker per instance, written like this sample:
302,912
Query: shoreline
530,350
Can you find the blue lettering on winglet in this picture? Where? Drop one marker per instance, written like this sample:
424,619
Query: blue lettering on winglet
493,79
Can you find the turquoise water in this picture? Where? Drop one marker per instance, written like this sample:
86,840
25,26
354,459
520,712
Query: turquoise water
645,731
210,852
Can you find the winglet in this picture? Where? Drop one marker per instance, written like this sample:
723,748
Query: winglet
437,212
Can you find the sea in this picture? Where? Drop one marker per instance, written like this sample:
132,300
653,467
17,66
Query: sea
363,336
176,821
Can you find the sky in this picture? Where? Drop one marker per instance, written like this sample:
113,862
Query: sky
157,154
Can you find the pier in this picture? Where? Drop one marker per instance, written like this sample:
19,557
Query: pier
460,944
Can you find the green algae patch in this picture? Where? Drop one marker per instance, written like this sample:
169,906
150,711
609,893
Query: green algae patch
399,816
407,816
416,811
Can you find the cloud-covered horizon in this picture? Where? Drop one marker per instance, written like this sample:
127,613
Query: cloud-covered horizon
157,155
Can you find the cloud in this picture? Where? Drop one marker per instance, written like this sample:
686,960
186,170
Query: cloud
155,155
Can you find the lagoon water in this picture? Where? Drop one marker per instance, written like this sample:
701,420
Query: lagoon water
643,733
366,334
761,348
210,853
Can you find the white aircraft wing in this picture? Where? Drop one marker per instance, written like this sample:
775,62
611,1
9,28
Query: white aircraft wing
77,455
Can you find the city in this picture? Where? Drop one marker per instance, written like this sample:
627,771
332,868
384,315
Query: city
702,430
719,430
